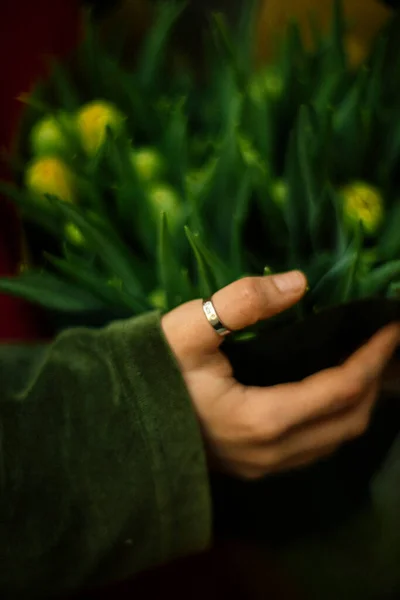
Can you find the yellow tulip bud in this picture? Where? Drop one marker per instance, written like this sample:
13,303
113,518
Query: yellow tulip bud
363,203
164,199
92,122
148,163
74,235
48,136
50,176
158,299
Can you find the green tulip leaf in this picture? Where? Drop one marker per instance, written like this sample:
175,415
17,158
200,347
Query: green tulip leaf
172,276
51,292
207,277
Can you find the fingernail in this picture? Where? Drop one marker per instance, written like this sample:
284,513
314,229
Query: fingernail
289,283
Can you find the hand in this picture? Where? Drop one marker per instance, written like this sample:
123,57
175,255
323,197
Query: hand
249,431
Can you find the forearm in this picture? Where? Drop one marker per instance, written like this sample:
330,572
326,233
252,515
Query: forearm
102,468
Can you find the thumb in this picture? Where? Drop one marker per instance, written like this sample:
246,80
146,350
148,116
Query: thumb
239,305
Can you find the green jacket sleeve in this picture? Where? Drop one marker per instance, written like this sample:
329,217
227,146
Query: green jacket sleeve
102,470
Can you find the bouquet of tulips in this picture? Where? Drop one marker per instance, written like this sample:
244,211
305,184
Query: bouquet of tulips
152,186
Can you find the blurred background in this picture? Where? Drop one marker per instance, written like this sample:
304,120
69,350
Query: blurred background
365,19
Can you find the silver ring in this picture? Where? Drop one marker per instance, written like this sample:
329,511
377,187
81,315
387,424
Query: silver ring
213,318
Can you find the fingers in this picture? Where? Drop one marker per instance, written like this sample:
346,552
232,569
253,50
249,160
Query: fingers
330,433
308,444
238,305
284,407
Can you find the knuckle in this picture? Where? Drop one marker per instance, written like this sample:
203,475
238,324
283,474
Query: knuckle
335,403
264,425
352,389
272,425
248,423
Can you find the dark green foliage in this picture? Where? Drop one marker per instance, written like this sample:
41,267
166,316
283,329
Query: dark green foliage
258,168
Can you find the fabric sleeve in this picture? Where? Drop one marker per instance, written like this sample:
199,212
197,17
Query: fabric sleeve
102,469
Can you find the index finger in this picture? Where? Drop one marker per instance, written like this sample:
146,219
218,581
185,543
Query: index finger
329,391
